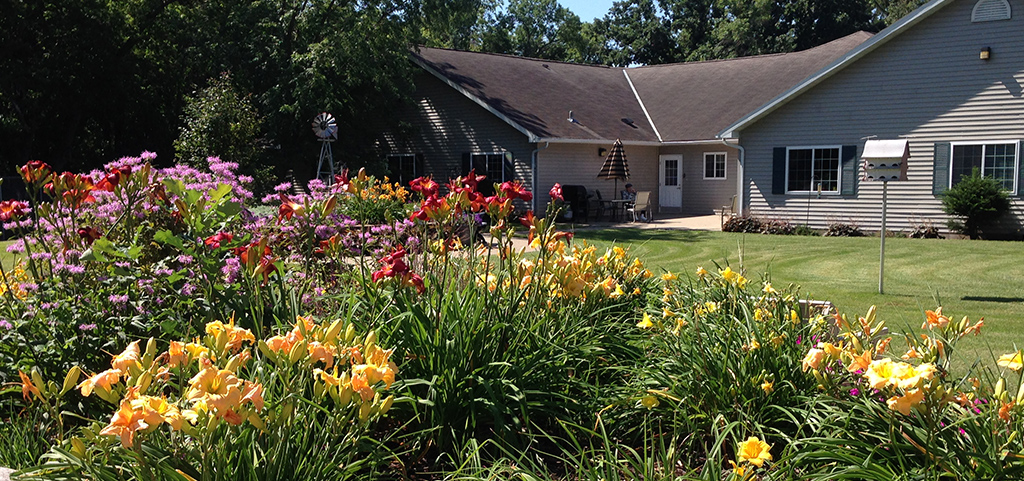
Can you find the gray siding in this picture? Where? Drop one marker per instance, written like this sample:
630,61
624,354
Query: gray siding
703,196
579,164
927,84
445,124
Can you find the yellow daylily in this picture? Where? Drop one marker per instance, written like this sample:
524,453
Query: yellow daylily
1012,360
754,451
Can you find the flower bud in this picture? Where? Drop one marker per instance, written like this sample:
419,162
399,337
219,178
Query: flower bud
334,330
364,411
78,447
255,420
37,380
345,397
71,380
298,351
150,352
1020,394
1000,389
371,341
386,405
144,380
350,333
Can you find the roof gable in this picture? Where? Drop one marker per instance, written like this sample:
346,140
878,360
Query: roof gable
696,100
840,63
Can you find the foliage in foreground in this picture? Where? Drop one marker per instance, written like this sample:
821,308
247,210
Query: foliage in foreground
561,362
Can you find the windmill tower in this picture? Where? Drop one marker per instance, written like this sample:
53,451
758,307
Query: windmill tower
326,130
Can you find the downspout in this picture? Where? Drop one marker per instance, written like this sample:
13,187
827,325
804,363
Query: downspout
740,204
533,173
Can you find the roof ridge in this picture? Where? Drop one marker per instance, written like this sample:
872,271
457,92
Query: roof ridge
748,57
520,57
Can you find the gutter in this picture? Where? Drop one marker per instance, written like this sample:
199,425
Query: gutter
533,173
740,200
558,140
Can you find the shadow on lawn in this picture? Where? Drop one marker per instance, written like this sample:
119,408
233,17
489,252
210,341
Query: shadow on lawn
992,299
623,235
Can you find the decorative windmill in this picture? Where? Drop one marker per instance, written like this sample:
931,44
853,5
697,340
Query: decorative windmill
326,130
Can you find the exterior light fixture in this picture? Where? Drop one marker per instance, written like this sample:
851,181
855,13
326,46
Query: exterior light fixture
601,151
986,52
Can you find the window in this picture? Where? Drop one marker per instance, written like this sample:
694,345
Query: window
714,165
997,160
671,172
496,166
812,168
402,168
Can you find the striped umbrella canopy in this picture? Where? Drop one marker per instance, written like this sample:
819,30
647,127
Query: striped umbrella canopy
615,166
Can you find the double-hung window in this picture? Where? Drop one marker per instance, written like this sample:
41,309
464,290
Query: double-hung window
403,168
497,166
714,165
813,169
996,160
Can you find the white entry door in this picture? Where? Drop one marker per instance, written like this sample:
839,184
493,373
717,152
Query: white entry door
670,190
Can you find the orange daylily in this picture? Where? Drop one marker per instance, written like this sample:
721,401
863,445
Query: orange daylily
28,389
105,380
754,451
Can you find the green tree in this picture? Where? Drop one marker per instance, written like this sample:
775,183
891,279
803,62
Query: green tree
637,35
220,121
538,29
976,202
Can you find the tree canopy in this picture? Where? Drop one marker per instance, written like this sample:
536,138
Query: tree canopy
85,81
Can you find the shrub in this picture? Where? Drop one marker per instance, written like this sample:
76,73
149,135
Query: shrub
975,202
743,224
840,229
777,227
924,229
805,230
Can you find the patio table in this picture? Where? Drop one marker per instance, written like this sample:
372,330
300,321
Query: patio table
618,207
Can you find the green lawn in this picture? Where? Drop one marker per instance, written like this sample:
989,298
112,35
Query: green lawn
972,278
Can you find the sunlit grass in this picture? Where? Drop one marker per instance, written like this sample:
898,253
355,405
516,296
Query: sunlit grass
968,278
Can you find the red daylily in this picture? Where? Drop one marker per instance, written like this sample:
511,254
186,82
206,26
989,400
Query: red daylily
73,189
36,172
89,234
556,192
425,186
472,180
391,265
516,190
215,240
12,210
288,208
112,179
342,183
258,261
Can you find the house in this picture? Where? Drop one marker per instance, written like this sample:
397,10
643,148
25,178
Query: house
783,133
948,78
541,122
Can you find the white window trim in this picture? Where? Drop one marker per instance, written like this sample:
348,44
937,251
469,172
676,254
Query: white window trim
983,143
503,159
839,176
725,170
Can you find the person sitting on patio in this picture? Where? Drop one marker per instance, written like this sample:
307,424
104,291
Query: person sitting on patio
629,193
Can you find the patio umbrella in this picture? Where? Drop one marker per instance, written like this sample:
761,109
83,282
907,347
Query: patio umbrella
615,166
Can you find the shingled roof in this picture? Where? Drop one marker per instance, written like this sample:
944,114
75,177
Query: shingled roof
687,101
696,100
538,94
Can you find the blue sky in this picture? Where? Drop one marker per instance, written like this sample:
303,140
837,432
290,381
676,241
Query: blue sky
588,10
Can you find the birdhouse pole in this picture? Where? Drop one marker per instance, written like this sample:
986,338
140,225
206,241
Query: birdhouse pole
881,256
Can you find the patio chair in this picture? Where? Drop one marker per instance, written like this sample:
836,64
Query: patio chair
641,208
728,210
600,204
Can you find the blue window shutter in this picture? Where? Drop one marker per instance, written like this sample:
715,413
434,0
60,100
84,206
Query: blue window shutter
940,170
1020,169
508,169
848,154
779,170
